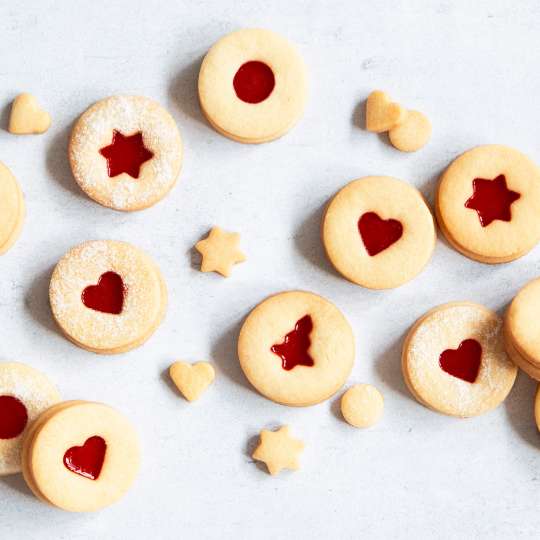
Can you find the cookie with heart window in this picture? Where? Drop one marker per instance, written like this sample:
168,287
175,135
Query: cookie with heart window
488,204
107,296
296,348
80,456
252,86
454,360
378,232
126,152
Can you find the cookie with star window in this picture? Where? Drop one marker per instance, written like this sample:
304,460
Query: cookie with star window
296,348
488,204
126,152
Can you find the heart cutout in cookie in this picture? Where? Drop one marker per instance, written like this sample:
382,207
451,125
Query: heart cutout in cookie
87,460
383,114
378,234
463,362
27,116
107,296
192,379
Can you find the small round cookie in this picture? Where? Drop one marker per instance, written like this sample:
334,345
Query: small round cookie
24,394
107,296
488,204
378,232
11,209
81,456
362,405
296,348
412,134
454,360
252,86
126,152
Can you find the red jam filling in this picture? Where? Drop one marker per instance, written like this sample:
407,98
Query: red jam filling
378,234
107,296
294,349
87,460
126,154
463,362
254,82
13,417
492,200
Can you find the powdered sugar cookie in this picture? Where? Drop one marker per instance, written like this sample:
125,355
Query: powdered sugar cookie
24,394
296,348
80,456
454,360
252,86
412,133
126,152
378,232
488,204
11,209
362,405
107,296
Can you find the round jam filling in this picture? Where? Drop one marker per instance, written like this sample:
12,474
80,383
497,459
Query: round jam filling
254,82
13,417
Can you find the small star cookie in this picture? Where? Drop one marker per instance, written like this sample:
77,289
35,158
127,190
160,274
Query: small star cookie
220,251
278,450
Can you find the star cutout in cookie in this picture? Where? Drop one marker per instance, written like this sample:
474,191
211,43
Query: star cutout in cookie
278,450
220,251
126,154
492,200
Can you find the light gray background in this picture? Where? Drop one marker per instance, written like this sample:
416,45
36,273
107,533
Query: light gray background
472,67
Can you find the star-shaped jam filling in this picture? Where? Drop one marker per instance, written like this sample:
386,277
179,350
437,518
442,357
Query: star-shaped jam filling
492,199
126,154
294,351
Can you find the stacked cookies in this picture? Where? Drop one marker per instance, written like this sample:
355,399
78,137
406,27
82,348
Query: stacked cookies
12,209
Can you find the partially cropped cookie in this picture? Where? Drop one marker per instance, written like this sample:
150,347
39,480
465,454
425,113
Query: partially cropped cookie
253,85
378,232
107,296
126,152
12,209
454,360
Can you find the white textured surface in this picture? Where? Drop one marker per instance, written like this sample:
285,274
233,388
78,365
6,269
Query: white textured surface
472,67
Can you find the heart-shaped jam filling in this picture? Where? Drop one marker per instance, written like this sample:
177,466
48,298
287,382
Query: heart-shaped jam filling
254,82
492,200
87,460
463,362
294,351
107,296
13,417
126,154
378,234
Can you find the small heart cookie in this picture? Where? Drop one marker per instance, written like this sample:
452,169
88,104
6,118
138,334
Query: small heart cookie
192,379
383,114
27,116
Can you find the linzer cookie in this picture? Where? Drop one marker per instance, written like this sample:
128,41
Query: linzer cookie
80,456
107,296
24,394
378,232
252,86
488,204
454,360
126,152
12,209
296,348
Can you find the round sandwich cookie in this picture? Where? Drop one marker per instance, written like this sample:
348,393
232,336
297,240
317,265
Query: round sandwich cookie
126,152
378,232
454,360
12,210
24,394
537,407
296,348
80,456
488,204
521,329
252,86
107,296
